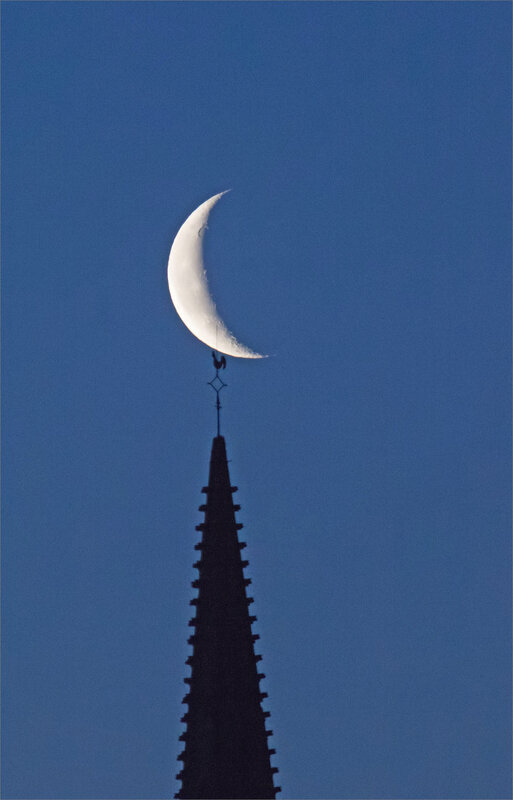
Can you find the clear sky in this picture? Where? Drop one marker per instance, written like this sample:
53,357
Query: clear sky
366,244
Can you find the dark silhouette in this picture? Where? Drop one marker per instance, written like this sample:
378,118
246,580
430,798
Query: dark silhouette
226,752
219,363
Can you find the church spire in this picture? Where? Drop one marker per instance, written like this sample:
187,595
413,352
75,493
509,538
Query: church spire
226,753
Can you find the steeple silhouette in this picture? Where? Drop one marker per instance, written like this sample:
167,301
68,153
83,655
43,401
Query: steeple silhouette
226,753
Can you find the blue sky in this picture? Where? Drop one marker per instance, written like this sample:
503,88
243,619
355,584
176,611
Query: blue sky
366,244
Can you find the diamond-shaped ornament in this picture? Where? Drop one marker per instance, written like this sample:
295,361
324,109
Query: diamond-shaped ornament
217,384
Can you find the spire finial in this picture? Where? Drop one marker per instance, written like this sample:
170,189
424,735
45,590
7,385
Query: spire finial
218,384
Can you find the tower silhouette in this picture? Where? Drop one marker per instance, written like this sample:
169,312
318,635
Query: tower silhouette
226,753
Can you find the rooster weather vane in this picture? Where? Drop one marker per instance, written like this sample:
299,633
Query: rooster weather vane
218,384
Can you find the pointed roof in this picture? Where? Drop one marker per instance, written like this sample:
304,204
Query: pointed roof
226,752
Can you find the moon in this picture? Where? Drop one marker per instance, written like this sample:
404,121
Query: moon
189,290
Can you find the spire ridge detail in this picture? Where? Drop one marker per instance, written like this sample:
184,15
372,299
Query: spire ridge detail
226,753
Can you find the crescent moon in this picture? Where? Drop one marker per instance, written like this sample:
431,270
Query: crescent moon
189,290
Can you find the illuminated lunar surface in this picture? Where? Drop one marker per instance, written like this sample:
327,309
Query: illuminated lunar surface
189,290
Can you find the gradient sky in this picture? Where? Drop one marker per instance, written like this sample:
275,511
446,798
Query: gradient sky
366,244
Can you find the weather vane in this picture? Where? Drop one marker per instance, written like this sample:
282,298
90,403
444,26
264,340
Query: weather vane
191,298
218,385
